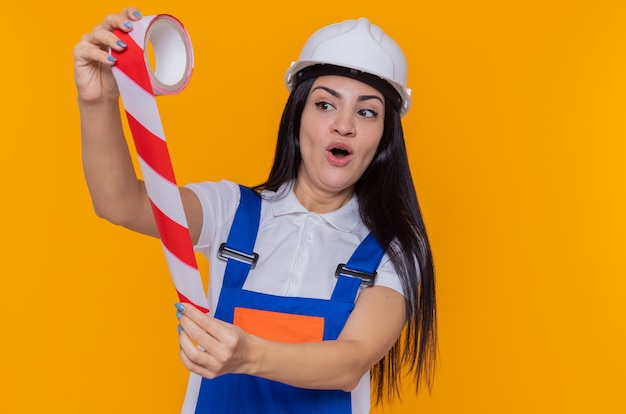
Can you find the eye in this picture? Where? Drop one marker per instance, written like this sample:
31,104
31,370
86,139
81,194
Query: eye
324,106
367,113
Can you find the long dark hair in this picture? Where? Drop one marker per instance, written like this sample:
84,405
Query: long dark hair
388,205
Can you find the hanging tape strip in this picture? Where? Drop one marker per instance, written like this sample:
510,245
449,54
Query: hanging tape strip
138,85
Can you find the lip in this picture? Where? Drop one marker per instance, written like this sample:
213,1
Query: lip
339,161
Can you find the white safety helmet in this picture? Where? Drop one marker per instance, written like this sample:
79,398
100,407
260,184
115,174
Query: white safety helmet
358,49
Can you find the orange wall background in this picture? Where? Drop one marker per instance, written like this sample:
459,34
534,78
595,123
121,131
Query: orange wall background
517,143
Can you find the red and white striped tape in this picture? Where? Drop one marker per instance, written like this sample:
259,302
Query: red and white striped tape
138,85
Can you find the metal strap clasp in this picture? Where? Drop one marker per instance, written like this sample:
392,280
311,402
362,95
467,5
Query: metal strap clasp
366,278
225,253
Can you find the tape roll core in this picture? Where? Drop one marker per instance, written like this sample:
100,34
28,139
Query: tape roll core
173,56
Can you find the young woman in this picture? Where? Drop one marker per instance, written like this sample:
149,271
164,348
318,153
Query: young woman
344,282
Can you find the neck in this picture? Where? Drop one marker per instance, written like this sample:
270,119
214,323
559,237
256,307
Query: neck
319,201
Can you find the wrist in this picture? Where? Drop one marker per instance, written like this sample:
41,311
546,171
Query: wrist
255,350
99,103
99,109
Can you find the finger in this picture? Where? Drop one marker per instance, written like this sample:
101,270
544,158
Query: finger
199,335
215,339
197,360
88,50
94,45
214,327
103,39
193,361
132,13
122,21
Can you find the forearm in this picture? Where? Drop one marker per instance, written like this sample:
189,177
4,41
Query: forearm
336,364
210,347
116,192
371,330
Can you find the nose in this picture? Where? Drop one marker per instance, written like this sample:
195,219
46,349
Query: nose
343,124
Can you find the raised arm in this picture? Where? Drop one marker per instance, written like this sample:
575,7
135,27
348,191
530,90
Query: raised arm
116,192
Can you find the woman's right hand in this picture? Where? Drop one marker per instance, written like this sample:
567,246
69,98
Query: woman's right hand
92,62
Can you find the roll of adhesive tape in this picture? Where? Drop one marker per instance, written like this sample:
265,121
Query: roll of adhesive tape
138,85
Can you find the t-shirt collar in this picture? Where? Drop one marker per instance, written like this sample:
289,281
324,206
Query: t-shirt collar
345,218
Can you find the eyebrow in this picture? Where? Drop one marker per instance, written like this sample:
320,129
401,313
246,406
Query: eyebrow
338,95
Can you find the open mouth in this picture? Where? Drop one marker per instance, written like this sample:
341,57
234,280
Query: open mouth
339,152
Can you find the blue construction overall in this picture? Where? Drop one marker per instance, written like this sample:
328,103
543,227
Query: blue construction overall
278,318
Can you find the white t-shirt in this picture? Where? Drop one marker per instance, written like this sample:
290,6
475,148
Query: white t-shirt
298,254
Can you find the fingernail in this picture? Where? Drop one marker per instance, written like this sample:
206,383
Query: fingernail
180,307
137,14
179,315
112,59
128,24
120,43
180,329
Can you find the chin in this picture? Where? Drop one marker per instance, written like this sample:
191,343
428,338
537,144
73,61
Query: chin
339,185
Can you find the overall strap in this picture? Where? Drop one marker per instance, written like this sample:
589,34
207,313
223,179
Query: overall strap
360,269
238,250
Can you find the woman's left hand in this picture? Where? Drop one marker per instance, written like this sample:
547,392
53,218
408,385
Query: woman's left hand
210,347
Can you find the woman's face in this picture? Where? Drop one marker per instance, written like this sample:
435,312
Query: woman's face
342,124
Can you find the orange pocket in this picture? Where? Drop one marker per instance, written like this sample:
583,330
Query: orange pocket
280,327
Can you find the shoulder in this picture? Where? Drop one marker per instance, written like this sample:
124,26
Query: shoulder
213,191
387,276
219,201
